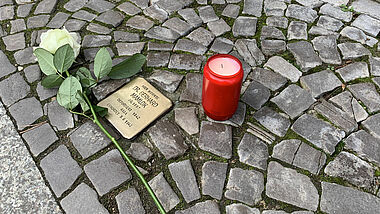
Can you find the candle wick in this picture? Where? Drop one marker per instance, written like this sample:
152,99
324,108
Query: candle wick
221,65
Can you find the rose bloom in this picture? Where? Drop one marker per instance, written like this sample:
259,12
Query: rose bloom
56,38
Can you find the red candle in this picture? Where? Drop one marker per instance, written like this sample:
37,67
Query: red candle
222,78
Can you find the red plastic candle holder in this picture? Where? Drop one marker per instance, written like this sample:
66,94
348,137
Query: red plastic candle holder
222,79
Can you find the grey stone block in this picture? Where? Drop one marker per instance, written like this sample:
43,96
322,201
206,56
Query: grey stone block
140,152
297,30
26,111
286,150
222,45
192,92
210,207
129,49
83,200
183,175
207,14
129,9
13,89
244,26
253,151
74,25
218,27
59,117
6,66
334,197
14,42
84,15
191,17
354,71
245,186
231,11
320,82
273,121
256,95
155,12
58,20
166,80
162,33
293,100
178,25
216,138
337,116
140,23
60,169
318,132
365,145
277,21
351,50
99,29
375,65
105,88
268,32
129,201
366,92
89,139
327,49
100,6
164,192
201,36
190,46
37,21
353,169
91,41
213,178
284,68
168,139
107,172
253,7
329,23
302,13
287,185
40,138
305,55
269,79
187,119
336,12
241,209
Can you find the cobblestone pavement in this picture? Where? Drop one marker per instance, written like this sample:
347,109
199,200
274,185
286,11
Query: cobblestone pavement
305,138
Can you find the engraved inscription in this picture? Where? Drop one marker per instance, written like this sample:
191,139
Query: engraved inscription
135,106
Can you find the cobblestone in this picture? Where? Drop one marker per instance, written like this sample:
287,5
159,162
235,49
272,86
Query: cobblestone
183,175
107,172
213,178
245,186
60,169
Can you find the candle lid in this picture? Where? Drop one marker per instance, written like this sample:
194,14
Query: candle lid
224,65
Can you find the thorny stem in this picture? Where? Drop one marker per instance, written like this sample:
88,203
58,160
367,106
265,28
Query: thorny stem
129,161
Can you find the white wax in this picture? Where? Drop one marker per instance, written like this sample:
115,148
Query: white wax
224,66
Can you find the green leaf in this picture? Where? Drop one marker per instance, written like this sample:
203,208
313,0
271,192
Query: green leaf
52,81
84,75
82,102
67,93
101,111
102,63
85,72
128,67
64,58
45,60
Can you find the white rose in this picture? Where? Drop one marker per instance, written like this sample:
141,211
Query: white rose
56,38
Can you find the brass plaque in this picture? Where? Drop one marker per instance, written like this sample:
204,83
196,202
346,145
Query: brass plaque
134,107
